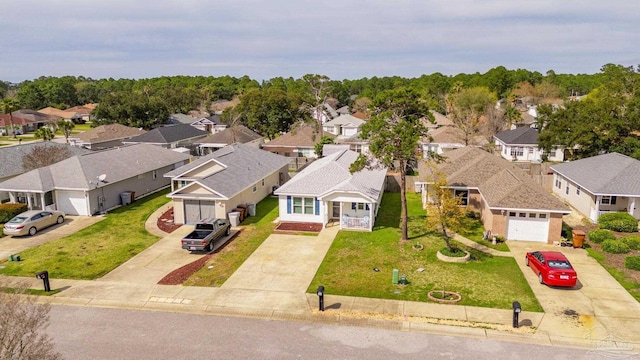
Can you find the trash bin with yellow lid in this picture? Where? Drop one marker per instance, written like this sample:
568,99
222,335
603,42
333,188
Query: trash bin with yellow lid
578,238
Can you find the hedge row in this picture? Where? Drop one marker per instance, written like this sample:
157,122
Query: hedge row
618,221
600,235
8,211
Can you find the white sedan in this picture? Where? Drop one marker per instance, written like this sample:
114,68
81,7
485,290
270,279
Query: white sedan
30,222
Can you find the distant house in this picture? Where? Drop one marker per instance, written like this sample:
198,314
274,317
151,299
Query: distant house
439,120
63,114
13,159
25,121
599,184
104,136
209,124
343,125
327,191
521,144
237,134
84,111
299,142
214,185
170,137
510,203
441,140
94,182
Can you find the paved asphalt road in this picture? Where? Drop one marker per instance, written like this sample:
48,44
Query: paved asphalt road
99,333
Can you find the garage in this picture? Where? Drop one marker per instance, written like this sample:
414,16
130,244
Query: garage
194,210
529,226
72,202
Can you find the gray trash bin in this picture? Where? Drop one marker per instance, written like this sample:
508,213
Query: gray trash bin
126,197
252,209
234,218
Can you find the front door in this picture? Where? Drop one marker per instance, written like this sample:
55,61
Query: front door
335,210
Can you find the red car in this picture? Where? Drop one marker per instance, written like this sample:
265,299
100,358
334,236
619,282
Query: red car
552,268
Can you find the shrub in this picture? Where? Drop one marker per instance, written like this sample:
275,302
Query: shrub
618,221
600,235
632,241
7,211
615,247
632,262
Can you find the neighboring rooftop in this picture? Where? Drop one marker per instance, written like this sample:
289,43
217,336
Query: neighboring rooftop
301,136
108,132
519,136
11,156
168,134
606,174
235,134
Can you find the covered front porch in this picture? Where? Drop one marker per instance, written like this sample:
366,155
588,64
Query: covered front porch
609,203
34,200
352,215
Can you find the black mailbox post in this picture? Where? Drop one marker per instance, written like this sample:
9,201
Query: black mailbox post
516,311
320,293
44,275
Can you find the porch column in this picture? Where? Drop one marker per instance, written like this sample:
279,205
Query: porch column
12,197
42,201
594,216
632,206
370,216
29,204
340,219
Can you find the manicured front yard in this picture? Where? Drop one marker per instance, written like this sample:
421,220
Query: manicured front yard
255,230
348,268
96,250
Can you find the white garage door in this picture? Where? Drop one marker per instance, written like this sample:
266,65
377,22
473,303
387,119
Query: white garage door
72,203
194,210
528,226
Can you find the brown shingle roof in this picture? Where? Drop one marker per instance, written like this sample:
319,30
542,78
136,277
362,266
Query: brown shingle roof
304,136
109,132
502,184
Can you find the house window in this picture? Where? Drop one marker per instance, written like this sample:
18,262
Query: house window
48,198
566,191
559,184
303,206
360,206
522,215
255,187
530,151
532,215
608,200
517,151
463,195
512,214
154,174
578,190
542,216
262,182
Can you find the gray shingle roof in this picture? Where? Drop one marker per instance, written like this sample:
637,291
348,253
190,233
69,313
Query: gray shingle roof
501,183
245,166
607,174
240,134
11,156
345,119
169,134
520,136
331,174
80,172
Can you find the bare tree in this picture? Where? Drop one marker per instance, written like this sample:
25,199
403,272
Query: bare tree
23,322
44,155
495,122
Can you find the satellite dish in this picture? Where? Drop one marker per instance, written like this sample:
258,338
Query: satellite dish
102,177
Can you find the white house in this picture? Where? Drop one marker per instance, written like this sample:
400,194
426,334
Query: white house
325,191
599,184
343,126
521,144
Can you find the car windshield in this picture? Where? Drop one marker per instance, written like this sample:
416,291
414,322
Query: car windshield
559,264
18,220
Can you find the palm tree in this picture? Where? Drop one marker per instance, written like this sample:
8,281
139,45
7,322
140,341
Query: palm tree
44,133
8,106
65,127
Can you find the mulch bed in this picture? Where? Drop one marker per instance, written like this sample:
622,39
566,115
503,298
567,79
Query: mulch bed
165,222
299,227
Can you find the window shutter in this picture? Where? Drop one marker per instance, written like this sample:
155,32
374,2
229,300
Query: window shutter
366,206
317,206
288,204
613,200
353,206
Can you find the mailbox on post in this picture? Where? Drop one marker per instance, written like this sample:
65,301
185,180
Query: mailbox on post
320,293
517,309
44,275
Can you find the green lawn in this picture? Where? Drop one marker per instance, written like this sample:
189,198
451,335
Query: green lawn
255,230
348,267
96,250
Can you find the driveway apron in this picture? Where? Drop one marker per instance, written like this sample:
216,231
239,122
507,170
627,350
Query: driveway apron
597,308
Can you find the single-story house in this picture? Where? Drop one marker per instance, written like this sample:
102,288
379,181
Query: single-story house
439,120
326,191
355,142
170,137
441,140
299,142
84,111
521,144
510,203
599,184
63,114
13,158
104,136
95,182
25,121
236,134
209,124
214,185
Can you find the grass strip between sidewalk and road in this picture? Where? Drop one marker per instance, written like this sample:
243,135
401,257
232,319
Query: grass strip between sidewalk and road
255,230
95,250
349,266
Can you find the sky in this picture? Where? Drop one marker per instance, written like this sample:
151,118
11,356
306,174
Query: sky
348,39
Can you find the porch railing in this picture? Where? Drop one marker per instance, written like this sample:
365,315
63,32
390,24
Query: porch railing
349,222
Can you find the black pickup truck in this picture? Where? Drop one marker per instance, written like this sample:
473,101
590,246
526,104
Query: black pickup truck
206,233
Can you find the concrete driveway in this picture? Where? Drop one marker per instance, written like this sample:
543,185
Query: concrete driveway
14,245
598,307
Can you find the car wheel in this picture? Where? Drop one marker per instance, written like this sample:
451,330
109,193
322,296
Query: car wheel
33,230
228,231
540,280
210,246
526,261
60,219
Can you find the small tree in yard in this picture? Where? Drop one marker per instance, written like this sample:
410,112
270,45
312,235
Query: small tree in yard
45,133
444,210
44,155
22,325
65,127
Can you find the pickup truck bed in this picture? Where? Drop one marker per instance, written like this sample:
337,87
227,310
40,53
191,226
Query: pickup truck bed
207,231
